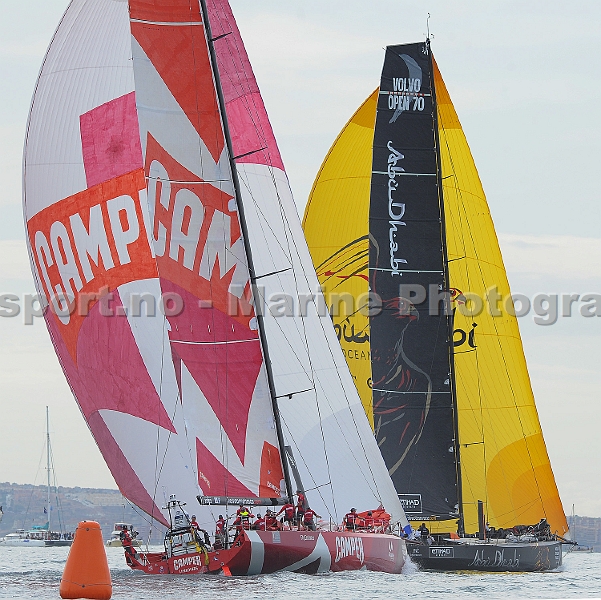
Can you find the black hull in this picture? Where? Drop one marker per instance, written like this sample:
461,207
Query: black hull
486,556
55,543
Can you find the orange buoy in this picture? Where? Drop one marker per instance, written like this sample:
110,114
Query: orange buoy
86,573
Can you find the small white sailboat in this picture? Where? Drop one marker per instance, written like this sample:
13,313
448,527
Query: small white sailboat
41,535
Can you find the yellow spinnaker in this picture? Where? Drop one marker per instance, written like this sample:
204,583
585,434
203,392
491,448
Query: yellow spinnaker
504,460
336,225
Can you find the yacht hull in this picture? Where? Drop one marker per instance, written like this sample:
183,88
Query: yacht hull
23,543
55,543
493,555
263,552
27,542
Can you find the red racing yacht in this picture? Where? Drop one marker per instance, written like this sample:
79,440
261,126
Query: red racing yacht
188,550
181,299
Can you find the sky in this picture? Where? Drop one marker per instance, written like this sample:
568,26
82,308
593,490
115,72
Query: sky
525,81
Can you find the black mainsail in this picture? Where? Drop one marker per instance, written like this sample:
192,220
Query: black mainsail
412,380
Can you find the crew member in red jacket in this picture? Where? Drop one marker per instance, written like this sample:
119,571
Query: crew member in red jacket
220,533
259,524
300,507
220,525
127,541
271,523
351,520
310,518
288,510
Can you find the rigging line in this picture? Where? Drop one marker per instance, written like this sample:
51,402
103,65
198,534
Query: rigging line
289,395
257,277
317,487
508,379
34,481
271,169
320,320
221,36
239,156
326,484
287,227
142,514
282,214
59,505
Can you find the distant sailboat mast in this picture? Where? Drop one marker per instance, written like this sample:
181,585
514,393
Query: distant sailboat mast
247,249
48,466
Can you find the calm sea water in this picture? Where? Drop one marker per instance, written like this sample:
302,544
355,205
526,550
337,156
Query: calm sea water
36,572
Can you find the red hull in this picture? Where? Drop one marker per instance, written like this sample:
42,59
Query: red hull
262,552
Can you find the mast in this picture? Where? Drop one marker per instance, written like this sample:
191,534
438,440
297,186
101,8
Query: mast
48,465
447,288
247,249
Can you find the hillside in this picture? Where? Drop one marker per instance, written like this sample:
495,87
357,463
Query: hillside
23,507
